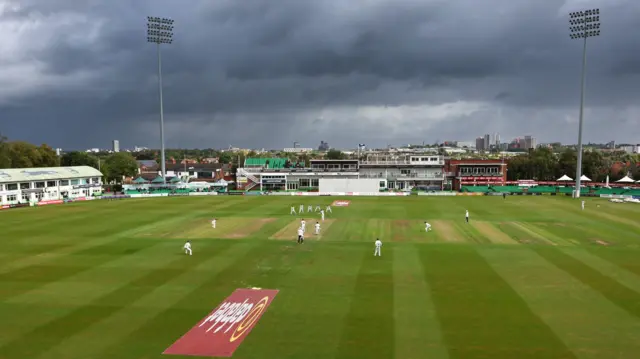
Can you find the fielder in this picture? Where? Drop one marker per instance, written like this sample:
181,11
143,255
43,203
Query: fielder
466,215
309,208
378,248
213,223
301,209
583,205
322,215
300,236
427,227
293,210
187,248
329,209
318,209
303,225
317,228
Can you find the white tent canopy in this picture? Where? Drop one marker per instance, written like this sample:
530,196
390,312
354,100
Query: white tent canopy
584,178
625,179
564,178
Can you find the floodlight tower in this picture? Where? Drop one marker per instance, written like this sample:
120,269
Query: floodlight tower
160,31
583,24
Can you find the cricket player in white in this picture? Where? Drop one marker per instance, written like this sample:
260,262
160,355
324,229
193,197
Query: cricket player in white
301,209
322,215
427,227
583,205
378,248
309,208
293,210
300,235
466,215
329,209
213,223
187,248
303,225
317,228
317,209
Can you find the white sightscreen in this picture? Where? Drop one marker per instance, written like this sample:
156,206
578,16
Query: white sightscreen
349,185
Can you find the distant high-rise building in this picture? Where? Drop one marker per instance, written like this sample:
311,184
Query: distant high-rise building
116,146
487,142
323,146
529,142
480,144
497,139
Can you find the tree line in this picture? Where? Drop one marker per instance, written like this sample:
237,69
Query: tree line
21,154
543,164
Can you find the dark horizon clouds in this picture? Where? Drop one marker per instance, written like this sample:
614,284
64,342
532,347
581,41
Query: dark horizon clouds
266,73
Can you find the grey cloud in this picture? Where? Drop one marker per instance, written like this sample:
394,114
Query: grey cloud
264,71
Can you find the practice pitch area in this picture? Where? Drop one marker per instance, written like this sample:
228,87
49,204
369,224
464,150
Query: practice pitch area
528,277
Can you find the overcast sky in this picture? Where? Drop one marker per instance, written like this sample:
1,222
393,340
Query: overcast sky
266,73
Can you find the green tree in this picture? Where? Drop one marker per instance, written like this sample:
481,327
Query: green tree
77,158
594,166
334,154
48,157
567,163
226,157
24,155
119,165
5,160
543,163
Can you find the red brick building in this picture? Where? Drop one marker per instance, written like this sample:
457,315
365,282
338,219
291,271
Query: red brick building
469,172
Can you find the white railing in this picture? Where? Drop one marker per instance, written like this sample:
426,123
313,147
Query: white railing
417,176
402,162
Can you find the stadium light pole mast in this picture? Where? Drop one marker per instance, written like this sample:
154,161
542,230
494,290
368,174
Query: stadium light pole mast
582,25
160,31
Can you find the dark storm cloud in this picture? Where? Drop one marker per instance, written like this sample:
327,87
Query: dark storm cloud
277,66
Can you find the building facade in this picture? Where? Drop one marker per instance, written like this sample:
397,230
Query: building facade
472,172
116,146
402,172
276,174
27,185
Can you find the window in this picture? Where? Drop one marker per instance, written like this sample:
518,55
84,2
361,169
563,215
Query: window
96,180
40,184
25,186
315,182
405,172
12,186
64,182
304,182
74,182
51,183
382,184
25,197
12,198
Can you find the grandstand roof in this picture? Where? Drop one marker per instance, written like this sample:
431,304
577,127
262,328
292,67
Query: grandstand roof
12,175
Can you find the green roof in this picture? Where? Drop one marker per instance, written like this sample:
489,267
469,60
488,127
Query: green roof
175,180
13,175
158,180
262,162
139,180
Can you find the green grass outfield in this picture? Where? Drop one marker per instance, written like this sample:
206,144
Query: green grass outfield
530,277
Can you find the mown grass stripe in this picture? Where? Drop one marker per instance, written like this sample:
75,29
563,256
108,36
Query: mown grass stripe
622,257
588,324
417,329
617,293
471,234
541,232
170,324
605,267
46,336
480,314
368,330
35,276
92,340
